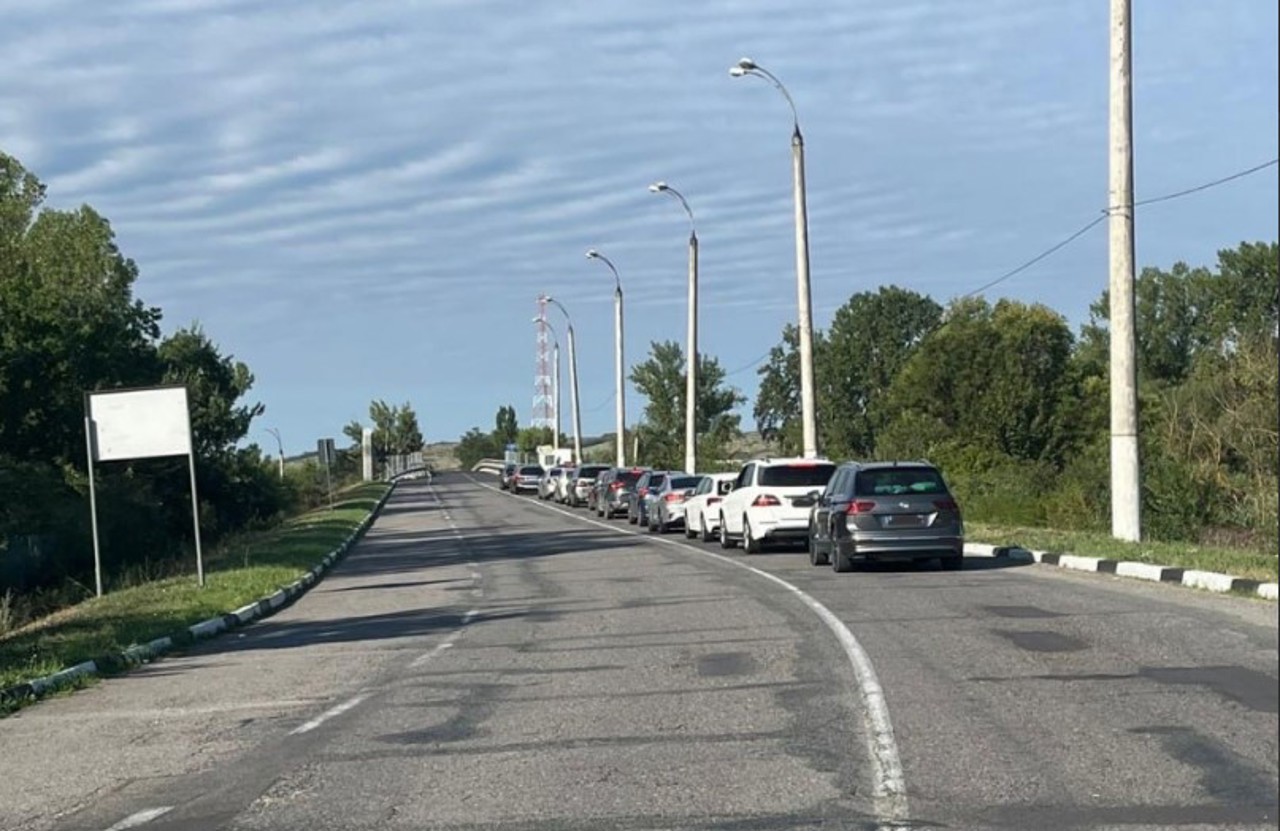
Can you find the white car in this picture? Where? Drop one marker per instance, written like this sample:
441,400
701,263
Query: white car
701,511
770,501
560,493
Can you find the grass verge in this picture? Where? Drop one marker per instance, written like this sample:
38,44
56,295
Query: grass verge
257,565
1253,565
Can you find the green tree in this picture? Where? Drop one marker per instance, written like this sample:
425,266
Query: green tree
994,378
661,379
68,321
215,385
506,428
395,430
476,445
777,405
870,339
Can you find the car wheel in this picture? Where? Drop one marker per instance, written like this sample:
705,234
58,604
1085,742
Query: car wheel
750,544
725,540
703,533
840,562
689,531
816,557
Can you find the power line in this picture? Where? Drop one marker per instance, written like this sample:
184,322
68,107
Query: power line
750,365
1107,213
1207,185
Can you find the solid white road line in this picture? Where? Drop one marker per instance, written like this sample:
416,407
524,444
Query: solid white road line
888,781
328,714
140,818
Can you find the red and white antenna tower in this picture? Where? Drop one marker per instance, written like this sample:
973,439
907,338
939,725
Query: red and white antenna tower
544,408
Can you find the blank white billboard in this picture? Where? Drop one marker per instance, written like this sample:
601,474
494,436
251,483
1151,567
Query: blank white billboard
139,424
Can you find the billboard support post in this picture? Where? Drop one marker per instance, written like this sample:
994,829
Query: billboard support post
93,502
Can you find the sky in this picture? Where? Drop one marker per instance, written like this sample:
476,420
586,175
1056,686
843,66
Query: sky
363,199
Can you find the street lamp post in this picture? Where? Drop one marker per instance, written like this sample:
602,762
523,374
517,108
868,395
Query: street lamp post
809,421
621,455
573,382
691,354
555,384
280,446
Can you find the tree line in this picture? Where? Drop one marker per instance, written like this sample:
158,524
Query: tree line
69,324
1015,407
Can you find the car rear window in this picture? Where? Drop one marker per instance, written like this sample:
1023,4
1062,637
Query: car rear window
630,477
531,470
899,481
592,471
679,483
797,475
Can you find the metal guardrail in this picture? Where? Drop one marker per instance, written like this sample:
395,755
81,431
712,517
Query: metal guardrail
493,466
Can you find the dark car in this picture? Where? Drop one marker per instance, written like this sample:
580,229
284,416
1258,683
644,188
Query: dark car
877,511
614,487
582,485
638,499
508,470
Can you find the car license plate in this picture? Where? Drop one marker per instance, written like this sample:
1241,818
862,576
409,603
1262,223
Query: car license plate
901,521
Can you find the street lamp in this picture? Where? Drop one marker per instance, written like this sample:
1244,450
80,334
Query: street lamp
691,357
621,455
573,382
280,445
555,384
809,421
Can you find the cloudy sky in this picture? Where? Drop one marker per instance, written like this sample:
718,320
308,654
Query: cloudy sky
363,198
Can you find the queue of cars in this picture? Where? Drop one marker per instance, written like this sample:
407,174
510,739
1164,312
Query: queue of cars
843,513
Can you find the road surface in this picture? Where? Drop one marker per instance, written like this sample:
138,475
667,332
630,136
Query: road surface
484,661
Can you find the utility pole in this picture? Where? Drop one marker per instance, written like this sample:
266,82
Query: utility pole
1126,487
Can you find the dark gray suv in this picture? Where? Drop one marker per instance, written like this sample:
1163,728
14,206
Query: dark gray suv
877,511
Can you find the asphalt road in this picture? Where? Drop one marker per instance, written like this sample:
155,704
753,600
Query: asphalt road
484,661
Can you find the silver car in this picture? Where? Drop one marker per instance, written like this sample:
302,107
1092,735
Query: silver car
549,482
526,478
665,509
875,511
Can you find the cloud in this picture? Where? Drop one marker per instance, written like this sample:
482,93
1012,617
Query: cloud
330,182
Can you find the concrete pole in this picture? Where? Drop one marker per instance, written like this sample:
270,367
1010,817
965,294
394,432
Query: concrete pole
1126,491
573,393
619,391
691,362
555,400
808,415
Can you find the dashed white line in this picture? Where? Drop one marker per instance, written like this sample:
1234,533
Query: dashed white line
328,714
427,656
140,818
889,786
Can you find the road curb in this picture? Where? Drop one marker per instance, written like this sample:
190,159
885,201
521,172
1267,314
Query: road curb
1208,580
139,654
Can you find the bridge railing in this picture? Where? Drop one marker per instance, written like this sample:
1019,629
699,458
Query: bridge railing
493,466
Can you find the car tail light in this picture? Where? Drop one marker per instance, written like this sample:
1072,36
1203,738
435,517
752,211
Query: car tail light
642,491
860,507
946,505
673,497
711,500
766,500
615,486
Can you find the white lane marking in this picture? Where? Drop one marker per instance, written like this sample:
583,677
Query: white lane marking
140,818
427,656
447,643
328,714
889,785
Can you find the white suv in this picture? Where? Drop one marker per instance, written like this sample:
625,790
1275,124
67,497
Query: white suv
770,501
